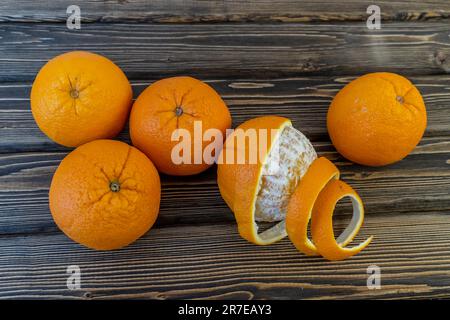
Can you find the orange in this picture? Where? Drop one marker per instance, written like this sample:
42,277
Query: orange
377,119
105,194
176,103
322,222
80,96
254,191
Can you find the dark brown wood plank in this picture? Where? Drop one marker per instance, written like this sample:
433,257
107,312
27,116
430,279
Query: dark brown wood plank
233,50
212,261
421,182
304,100
176,11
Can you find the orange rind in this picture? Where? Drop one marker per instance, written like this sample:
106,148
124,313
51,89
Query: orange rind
322,222
302,203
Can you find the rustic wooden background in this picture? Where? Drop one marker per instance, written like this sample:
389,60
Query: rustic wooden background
285,57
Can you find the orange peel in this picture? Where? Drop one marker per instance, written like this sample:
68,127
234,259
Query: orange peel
322,222
302,203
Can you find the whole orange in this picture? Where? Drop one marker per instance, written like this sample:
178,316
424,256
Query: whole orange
377,119
176,103
80,96
105,194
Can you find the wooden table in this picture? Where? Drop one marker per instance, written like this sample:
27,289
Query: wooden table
281,57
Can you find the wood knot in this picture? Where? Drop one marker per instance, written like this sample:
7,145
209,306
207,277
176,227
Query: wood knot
161,296
402,16
309,66
441,59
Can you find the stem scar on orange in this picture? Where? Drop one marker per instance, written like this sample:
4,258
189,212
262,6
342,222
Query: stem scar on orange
377,119
80,96
105,194
171,104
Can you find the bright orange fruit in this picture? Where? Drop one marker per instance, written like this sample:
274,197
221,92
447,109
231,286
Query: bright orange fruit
80,96
176,103
377,119
105,194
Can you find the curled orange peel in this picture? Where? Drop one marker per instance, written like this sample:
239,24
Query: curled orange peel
314,200
322,222
302,202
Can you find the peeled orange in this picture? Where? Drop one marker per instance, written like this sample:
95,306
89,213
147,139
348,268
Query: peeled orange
268,172
259,191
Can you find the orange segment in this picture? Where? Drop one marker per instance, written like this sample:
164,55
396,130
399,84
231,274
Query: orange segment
322,222
302,202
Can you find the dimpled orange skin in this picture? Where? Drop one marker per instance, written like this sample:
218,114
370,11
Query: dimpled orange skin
174,103
377,119
80,96
86,209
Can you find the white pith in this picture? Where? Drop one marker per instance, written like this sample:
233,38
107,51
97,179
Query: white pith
288,160
350,231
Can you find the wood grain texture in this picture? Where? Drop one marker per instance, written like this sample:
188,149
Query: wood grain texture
176,11
421,182
146,51
263,67
304,100
212,261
